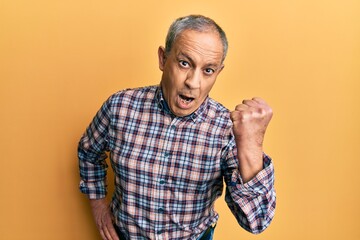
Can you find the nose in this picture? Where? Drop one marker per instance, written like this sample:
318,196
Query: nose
193,79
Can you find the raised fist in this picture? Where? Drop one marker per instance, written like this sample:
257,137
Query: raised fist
250,120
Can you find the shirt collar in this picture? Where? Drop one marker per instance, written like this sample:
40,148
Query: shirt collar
198,115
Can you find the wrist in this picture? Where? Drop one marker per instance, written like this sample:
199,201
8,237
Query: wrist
98,203
249,149
250,160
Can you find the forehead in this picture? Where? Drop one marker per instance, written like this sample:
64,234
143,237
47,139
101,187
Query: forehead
205,45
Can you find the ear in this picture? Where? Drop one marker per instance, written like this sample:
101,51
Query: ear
162,57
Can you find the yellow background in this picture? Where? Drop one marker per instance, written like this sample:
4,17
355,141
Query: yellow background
59,60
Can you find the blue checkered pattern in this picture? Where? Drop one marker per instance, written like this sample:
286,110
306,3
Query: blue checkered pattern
170,170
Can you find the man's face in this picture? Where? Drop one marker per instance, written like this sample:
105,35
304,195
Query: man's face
190,70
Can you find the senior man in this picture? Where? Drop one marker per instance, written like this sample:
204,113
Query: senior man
172,147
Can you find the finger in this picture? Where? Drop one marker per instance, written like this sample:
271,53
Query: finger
241,107
250,108
103,235
251,103
265,107
259,100
240,115
235,116
112,232
107,233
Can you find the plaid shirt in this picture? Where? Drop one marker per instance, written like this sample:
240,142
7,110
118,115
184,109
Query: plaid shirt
169,170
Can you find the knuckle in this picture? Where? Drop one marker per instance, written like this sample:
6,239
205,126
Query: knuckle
270,111
239,107
244,116
261,111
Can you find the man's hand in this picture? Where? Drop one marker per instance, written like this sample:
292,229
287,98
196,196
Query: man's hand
250,120
103,219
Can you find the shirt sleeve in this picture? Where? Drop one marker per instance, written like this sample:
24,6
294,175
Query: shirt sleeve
92,154
252,203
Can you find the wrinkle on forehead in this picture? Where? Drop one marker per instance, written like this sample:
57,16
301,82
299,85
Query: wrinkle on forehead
206,45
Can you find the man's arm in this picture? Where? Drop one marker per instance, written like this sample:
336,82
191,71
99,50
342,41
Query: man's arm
249,173
93,170
250,120
252,203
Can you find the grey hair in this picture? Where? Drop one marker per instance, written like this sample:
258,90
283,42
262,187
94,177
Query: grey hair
194,22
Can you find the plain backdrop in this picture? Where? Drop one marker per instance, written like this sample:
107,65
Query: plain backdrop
59,60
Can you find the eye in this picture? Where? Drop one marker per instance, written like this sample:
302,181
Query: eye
209,71
183,63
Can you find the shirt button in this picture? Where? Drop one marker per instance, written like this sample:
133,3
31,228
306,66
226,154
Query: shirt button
161,210
166,154
160,232
162,181
173,127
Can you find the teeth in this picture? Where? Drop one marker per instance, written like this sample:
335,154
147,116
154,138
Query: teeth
185,99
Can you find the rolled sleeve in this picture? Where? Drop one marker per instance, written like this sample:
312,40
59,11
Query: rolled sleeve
92,154
253,203
93,178
262,183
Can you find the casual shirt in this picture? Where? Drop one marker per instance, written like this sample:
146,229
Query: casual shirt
170,170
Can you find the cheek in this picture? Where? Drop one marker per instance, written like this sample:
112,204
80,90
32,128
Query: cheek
177,77
207,85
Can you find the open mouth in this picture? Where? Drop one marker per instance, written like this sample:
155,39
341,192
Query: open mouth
186,99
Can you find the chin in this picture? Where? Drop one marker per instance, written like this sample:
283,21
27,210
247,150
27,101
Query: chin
185,113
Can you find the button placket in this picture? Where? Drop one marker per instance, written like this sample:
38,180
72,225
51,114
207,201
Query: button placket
160,208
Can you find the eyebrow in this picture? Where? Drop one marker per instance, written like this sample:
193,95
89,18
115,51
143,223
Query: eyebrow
181,54
192,62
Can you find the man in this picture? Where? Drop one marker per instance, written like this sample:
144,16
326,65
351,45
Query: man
171,146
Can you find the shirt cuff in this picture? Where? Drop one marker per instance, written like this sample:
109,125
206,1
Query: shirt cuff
261,184
94,190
